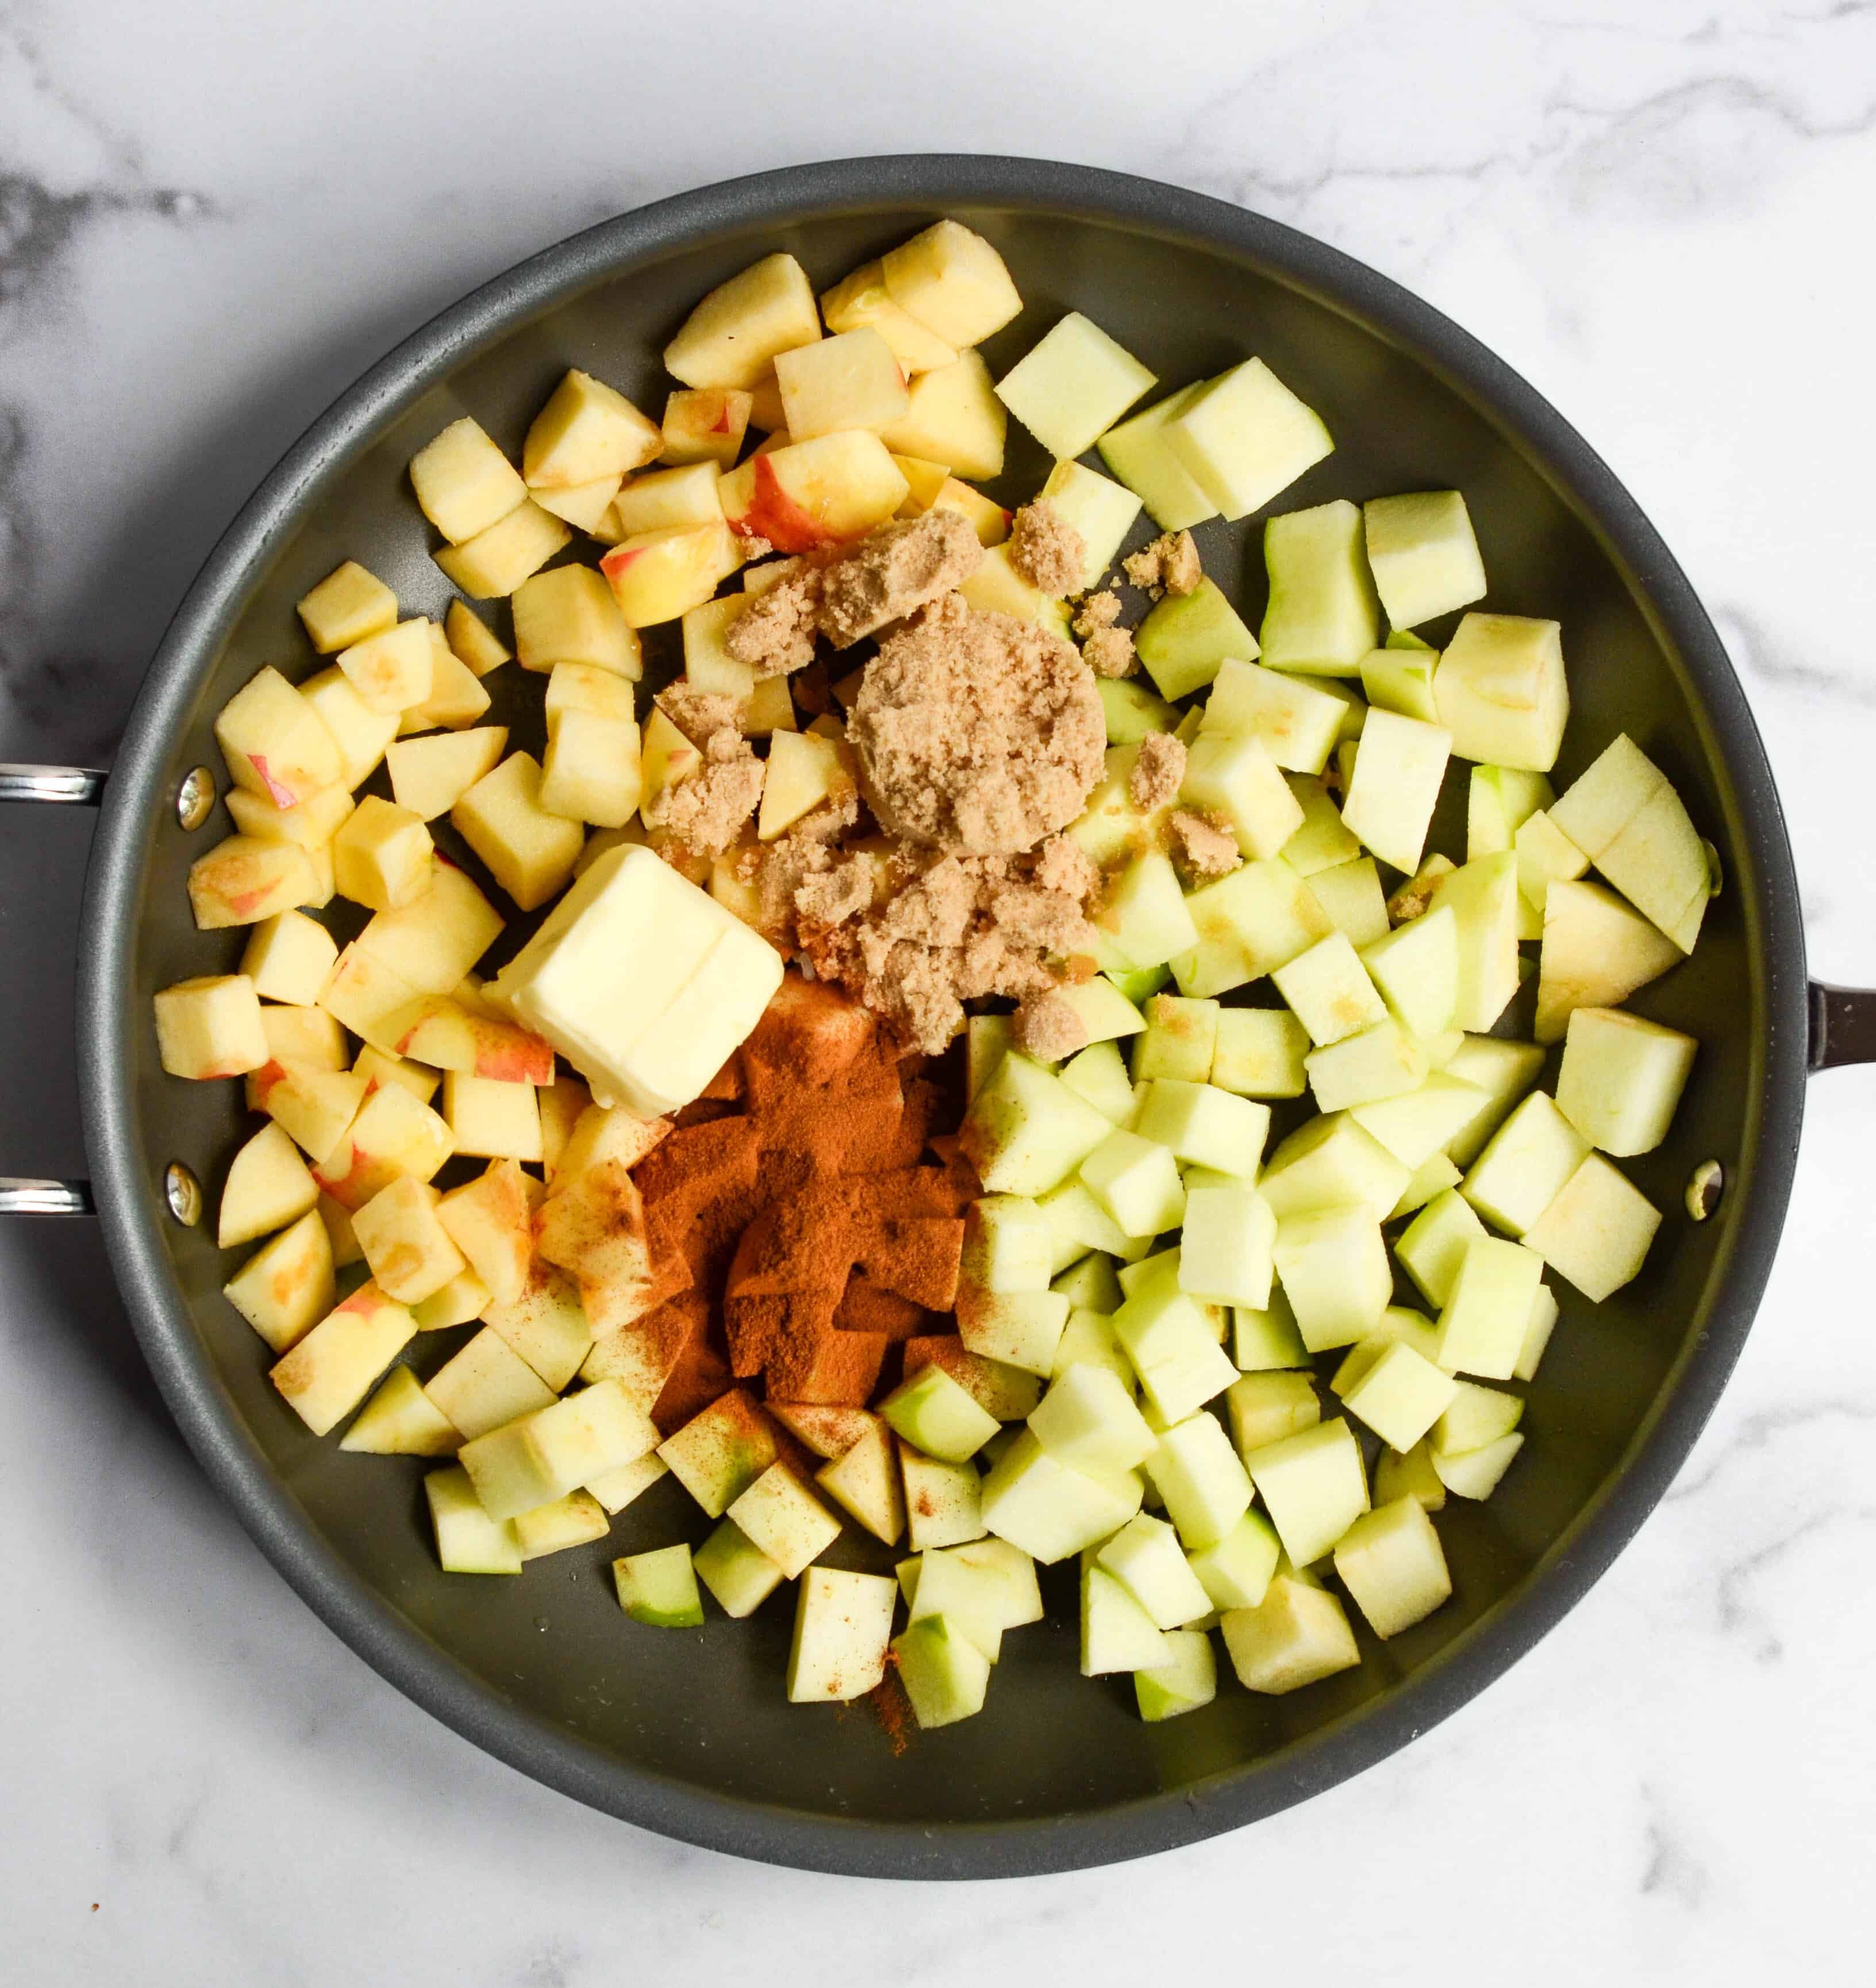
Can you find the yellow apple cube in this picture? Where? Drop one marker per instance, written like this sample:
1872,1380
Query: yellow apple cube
392,1134
731,336
472,641
329,1371
487,1385
211,1026
360,733
409,1251
656,576
286,1287
528,851
544,1455
863,301
570,616
587,430
851,380
496,561
688,494
953,281
464,483
276,744
705,425
393,672
243,880
429,776
382,856
346,607
591,771
953,416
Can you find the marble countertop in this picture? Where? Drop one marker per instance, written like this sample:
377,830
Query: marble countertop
212,216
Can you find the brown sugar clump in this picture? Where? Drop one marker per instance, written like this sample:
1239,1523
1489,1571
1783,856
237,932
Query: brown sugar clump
1109,652
1048,1028
1170,565
1157,772
900,569
1202,845
703,814
1046,550
775,633
977,733
1099,610
699,715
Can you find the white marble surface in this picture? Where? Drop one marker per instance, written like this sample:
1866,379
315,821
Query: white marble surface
212,214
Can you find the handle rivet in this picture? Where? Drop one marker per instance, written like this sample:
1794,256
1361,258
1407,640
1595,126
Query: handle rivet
195,799
1704,1189
183,1193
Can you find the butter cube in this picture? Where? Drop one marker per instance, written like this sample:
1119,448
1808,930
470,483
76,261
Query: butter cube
643,982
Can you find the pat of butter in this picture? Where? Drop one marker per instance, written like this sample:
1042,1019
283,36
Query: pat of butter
643,982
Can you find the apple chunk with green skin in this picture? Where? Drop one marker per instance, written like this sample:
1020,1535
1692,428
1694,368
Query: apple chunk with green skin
1072,385
1423,554
659,1588
1322,617
934,1414
1630,823
1391,1562
1501,691
1186,1681
1621,1079
738,1573
945,1675
1297,1635
1026,1131
843,1628
468,1541
721,1451
1314,1486
1244,436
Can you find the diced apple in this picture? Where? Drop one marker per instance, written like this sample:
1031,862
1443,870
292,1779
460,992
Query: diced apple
1621,1079
1258,1052
267,1186
472,641
587,430
276,744
1137,1181
591,772
401,1420
739,1574
1244,436
690,494
1395,680
1144,1556
952,416
1481,1326
382,857
314,1108
1424,555
783,1518
1236,1571
1335,1273
1483,899
1525,1164
1391,1562
429,776
1297,721
1026,1131
392,671
617,1488
720,1451
543,1456
410,1253
1073,386
988,519
1249,923
843,1627
1596,1233
464,483
547,1325
1202,1481
705,425
811,494
850,380
588,506
328,1373
496,562
468,1541
943,1501
1314,1486
570,616
1268,1405
1235,778
487,1385
286,1287
1378,1064
456,698
309,823
464,1297
1297,1635
1624,815
997,588
360,733
804,770
1596,953
1501,691
392,1134
530,852
1267,1341
656,576
211,1026
953,281
1322,617
1187,638
1174,1349
1331,1162
864,1480
934,1414
731,337
349,604
1101,511
1475,1473
1141,453
1329,990
1399,766
243,880
1048,1510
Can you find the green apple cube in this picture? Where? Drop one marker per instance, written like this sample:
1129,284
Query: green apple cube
987,1040
1179,1040
1140,453
1627,819
1322,617
1080,1222
616,1489
863,1481
1019,1599
1546,856
934,1414
1475,1416
1199,1122
1072,385
1187,1680
1403,1325
1537,1330
781,1516
1505,1071
1109,829
1432,1177
401,1420
1501,691
1102,510
1596,953
660,1588
575,1520
1295,721
1187,637
1392,681
1335,1273
1170,1341
1010,1244
1200,1480
1621,1079
1103,1011
1131,711
1482,1323
739,1574
943,1502
1266,1339
1138,984
1411,1476
1144,1556
1099,1073
1233,776
1144,919
1435,1243
1026,1130
1236,1571
1330,1162
1021,1329
1089,1285
1416,1126
1499,800
1313,1485
1391,1562
1225,1249
1483,899
1423,554
1324,841
1256,919
1160,1269
945,1675
1329,991
1137,1182
1475,1473
1266,1407
843,1628
1088,1421
1382,1062
1525,1164
1397,1392
1399,766
1258,1052
543,1456
1416,968
1049,1509
1245,436
1116,1633
1596,1231
969,1593
468,1540
1296,1635
721,1450
1088,1340
1351,896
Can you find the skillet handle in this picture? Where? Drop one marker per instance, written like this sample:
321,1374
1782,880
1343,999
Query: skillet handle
79,786
1842,1026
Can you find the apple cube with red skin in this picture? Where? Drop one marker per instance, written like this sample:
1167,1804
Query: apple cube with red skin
429,776
464,483
851,380
394,671
491,1220
286,1287
382,857
656,576
826,491
377,1068
587,430
211,1026
348,605
443,1034
731,336
570,616
496,561
530,852
242,880
392,1134
705,424
364,993
408,1249
314,1108
274,742
332,1369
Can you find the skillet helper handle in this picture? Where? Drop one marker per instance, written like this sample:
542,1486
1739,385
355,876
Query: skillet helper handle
1842,1026
70,786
